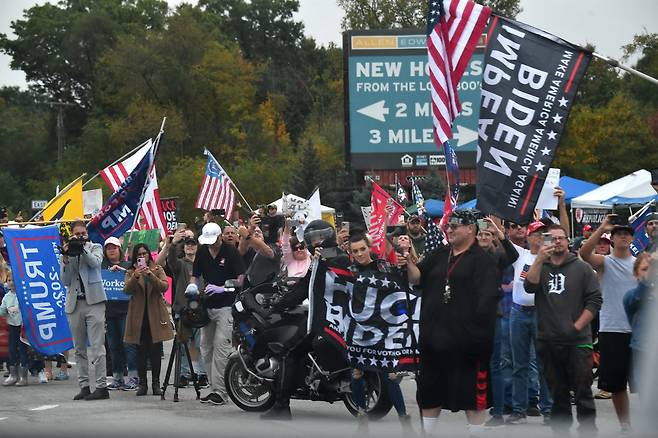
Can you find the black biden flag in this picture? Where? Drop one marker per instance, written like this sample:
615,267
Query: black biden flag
529,83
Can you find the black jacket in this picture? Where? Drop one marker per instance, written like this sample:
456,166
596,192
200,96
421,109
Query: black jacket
467,321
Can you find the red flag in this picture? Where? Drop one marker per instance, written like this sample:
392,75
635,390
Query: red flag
378,201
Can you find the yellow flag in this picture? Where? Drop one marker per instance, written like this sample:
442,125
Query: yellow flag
67,205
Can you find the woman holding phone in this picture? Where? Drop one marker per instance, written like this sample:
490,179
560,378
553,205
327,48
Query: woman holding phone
148,322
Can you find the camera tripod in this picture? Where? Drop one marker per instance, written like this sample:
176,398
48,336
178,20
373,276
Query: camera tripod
175,362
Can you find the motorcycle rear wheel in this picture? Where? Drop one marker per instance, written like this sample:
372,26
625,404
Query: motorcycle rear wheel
247,392
378,401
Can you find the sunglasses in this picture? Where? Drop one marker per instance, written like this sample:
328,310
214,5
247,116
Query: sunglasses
299,248
514,226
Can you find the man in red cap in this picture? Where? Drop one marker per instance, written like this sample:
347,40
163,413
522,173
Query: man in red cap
578,242
523,333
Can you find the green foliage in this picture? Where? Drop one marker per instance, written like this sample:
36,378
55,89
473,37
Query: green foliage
646,45
387,14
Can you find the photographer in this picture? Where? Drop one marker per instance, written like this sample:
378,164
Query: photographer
265,258
216,262
85,308
181,269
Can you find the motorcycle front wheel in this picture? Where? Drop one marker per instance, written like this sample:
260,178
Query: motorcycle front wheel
378,402
246,391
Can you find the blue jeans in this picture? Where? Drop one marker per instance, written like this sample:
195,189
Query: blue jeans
120,352
523,335
17,349
199,369
501,367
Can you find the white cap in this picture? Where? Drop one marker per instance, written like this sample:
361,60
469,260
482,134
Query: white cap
112,241
209,234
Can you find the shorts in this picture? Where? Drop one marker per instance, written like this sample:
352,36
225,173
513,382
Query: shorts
453,380
615,368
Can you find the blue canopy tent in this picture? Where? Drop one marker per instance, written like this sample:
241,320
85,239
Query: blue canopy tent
434,207
575,187
621,200
468,204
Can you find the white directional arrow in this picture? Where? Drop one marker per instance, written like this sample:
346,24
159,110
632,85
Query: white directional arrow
465,135
377,111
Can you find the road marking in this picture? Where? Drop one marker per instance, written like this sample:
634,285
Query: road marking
3,418
44,408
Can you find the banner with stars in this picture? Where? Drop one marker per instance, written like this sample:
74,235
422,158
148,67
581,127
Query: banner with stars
529,83
370,315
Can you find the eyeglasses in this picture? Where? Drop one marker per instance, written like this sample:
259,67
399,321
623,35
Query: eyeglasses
558,238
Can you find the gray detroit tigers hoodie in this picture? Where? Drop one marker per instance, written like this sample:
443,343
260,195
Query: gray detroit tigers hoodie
562,294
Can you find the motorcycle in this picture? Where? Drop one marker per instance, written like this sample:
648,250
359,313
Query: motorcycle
262,340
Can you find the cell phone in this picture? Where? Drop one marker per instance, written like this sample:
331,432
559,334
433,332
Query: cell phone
548,239
141,262
339,217
345,226
482,224
328,253
615,219
654,176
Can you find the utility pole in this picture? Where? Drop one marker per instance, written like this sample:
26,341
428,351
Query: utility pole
60,125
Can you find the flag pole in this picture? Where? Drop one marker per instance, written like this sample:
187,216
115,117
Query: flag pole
115,162
615,63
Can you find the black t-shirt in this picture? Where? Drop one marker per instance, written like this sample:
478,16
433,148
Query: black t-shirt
467,321
270,225
226,266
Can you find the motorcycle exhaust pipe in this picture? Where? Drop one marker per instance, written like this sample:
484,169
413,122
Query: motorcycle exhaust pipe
251,373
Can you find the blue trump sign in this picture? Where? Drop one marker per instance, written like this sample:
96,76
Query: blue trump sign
388,102
113,282
33,255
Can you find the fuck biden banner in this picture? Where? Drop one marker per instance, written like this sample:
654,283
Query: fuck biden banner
33,256
529,83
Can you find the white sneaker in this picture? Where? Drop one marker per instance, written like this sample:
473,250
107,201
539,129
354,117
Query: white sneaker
42,377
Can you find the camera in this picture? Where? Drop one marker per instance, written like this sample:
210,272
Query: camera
75,247
194,314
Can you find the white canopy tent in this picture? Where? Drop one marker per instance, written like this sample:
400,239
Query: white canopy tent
634,185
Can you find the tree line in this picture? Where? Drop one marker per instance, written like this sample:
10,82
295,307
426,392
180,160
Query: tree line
240,78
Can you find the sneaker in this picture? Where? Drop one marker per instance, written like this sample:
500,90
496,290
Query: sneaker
183,381
495,421
43,378
203,381
115,385
131,384
516,418
533,411
98,394
214,399
62,375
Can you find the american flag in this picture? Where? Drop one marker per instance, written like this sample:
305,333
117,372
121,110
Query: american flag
216,189
419,200
453,30
150,215
434,237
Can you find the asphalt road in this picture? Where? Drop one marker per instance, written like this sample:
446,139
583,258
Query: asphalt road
49,410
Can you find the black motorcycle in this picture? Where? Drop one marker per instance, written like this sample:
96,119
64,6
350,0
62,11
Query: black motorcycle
263,338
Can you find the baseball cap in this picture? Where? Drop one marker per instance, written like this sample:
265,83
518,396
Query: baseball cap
464,217
535,226
209,233
413,218
605,236
587,227
112,241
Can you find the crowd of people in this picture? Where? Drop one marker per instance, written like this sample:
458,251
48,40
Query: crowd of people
512,314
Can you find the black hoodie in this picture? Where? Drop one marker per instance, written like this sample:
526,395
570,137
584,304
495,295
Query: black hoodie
563,293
